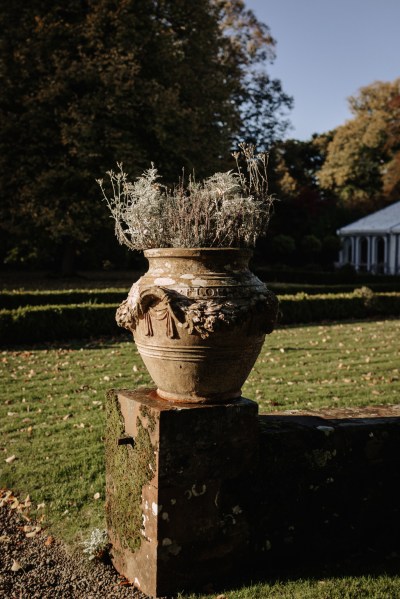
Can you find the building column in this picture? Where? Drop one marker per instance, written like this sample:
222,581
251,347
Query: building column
356,254
386,268
369,250
374,259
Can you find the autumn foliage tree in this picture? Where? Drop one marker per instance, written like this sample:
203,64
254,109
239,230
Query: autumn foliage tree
362,163
86,83
337,177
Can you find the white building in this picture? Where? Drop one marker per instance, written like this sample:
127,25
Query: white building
373,243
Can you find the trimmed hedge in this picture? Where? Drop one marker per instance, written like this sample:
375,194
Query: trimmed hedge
310,289
362,303
16,299
311,277
32,324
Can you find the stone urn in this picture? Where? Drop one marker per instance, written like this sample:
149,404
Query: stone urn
199,319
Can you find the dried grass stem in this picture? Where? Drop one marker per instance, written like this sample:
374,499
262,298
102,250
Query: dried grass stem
229,209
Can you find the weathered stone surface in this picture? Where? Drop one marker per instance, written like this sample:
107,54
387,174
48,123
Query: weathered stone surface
195,520
326,489
213,491
199,319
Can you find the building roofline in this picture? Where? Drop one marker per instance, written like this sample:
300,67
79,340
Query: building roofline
347,230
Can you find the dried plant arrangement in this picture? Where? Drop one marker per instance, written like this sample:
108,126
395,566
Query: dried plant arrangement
228,209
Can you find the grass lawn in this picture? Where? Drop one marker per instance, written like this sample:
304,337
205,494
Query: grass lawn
52,419
338,365
348,587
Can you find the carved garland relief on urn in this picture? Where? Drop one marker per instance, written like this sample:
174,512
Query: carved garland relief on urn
199,318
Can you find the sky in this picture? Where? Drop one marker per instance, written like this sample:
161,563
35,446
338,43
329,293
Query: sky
326,50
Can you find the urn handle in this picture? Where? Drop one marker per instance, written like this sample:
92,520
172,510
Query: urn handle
269,311
150,296
138,306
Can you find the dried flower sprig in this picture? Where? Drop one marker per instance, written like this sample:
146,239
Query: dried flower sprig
96,545
229,209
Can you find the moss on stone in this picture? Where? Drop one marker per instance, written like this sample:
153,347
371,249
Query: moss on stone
128,468
147,413
319,458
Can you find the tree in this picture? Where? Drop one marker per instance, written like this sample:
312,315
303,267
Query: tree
296,165
263,103
362,165
311,246
90,82
282,247
303,208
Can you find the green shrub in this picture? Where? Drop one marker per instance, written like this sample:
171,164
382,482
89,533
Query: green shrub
283,245
293,288
311,245
32,324
344,275
16,299
362,303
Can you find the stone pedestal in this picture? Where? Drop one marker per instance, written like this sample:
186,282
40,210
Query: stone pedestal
178,503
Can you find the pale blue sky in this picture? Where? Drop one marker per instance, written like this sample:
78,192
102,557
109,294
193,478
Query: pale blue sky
328,49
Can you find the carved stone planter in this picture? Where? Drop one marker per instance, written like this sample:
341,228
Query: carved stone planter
199,318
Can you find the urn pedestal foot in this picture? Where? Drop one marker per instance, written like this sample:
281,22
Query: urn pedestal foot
177,489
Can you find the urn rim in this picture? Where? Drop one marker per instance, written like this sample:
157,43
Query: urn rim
196,252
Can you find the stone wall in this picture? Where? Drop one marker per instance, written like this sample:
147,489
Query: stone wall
326,489
216,494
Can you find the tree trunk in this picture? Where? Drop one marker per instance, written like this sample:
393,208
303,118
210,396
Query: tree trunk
68,260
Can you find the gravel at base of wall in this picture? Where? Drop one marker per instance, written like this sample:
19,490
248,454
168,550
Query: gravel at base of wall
49,571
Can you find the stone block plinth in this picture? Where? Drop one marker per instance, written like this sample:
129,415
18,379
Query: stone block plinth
178,502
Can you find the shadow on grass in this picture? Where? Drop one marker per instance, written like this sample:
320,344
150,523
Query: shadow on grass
97,342
282,571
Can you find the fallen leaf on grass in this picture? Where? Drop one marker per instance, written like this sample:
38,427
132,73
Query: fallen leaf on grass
24,517
31,531
15,503
5,497
11,459
16,566
49,541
